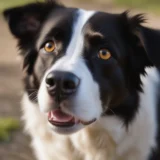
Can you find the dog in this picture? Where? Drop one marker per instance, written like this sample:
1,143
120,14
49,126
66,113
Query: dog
90,82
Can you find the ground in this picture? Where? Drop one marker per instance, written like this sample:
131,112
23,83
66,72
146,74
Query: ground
11,87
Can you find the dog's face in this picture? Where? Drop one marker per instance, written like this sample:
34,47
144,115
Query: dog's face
78,63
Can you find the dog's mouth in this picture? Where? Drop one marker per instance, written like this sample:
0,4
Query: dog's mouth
60,119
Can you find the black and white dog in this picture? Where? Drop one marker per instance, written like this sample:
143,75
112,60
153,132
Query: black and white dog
91,86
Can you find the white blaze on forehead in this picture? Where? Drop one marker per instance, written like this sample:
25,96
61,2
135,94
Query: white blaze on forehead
77,40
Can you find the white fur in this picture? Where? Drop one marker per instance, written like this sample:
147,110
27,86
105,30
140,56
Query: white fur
77,41
94,142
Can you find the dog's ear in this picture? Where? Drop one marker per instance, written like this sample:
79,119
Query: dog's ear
146,38
150,39
26,20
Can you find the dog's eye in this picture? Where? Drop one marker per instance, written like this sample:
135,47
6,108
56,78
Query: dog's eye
104,54
49,46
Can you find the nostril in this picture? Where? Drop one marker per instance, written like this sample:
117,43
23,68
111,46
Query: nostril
50,81
69,84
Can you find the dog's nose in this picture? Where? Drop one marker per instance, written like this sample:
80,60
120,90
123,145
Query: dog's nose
63,83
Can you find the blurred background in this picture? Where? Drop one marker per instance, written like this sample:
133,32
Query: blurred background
14,144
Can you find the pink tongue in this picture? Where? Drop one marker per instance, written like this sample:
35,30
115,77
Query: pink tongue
59,116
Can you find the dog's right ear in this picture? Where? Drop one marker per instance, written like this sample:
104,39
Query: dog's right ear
26,20
146,40
150,39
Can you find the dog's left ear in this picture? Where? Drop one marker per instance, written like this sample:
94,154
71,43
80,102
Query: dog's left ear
150,39
24,21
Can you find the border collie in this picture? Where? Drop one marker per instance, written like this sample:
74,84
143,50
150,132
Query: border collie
91,83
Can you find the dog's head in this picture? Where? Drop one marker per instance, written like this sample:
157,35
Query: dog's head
80,64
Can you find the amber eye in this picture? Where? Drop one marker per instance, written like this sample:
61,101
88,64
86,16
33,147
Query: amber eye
104,54
49,46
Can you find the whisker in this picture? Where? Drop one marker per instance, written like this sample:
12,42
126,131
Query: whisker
112,111
33,95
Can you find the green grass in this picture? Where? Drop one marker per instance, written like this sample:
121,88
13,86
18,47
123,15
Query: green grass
12,3
7,125
149,5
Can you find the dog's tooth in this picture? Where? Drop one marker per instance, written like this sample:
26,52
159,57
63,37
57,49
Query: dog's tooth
52,116
49,116
77,120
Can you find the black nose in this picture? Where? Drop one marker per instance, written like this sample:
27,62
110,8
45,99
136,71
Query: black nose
62,83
